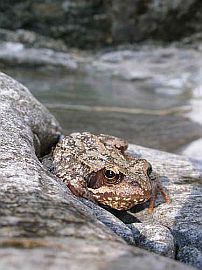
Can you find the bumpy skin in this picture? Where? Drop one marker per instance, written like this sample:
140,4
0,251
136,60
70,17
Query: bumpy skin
86,163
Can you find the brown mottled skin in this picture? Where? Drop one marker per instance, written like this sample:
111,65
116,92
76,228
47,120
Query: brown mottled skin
97,168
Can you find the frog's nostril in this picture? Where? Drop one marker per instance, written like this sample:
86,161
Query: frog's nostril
136,184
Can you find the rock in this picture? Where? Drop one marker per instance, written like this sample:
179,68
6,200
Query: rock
174,76
115,224
182,177
156,238
96,23
42,223
191,256
164,20
25,113
31,39
80,24
16,54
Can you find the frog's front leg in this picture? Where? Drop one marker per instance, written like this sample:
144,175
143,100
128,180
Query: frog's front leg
79,188
156,188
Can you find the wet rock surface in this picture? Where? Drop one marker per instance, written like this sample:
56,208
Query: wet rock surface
15,54
42,223
158,66
31,39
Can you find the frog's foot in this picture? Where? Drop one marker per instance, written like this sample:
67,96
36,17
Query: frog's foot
157,189
153,200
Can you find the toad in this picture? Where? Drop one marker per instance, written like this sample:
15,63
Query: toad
97,167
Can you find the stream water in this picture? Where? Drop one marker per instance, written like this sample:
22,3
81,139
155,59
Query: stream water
153,108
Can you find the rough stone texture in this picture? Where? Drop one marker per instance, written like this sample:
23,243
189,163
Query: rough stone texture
26,116
190,255
182,177
90,23
42,223
115,224
156,238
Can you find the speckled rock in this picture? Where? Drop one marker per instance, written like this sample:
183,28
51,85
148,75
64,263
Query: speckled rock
190,255
156,238
115,224
26,116
42,223
182,177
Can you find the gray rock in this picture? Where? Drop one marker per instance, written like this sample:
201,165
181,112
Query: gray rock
191,256
16,54
42,223
80,24
24,112
182,177
179,222
164,20
155,238
90,23
115,224
175,75
31,39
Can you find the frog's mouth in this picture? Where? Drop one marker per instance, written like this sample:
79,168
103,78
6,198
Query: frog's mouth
120,197
114,189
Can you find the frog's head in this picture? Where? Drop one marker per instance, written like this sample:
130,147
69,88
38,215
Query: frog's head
121,188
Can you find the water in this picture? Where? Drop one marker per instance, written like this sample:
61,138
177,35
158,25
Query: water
159,107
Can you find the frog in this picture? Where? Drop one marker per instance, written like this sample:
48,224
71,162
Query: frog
99,168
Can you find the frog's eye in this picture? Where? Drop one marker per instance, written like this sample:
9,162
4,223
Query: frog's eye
110,174
149,169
